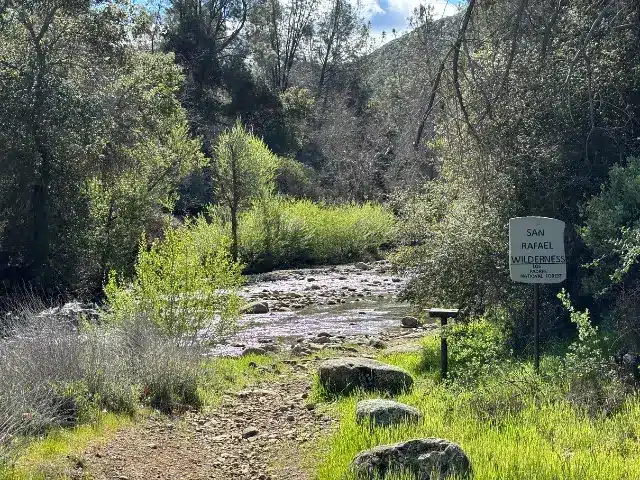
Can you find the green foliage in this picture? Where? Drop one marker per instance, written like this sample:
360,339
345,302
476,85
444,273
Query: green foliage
593,381
282,232
182,283
93,138
245,167
476,348
460,249
245,170
295,179
612,227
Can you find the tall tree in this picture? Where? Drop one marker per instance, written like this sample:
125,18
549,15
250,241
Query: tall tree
80,108
245,169
278,30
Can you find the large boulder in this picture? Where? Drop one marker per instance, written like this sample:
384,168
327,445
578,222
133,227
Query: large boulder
425,459
256,308
343,375
383,413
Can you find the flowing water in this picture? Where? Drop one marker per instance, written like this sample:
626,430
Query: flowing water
345,301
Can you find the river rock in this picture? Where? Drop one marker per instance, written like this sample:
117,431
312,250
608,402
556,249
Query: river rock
256,308
362,266
377,343
343,375
410,322
250,432
254,351
426,459
383,413
72,313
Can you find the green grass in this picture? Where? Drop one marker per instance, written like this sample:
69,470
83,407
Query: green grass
507,435
52,455
220,375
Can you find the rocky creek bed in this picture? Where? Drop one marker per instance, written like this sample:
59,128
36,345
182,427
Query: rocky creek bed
347,304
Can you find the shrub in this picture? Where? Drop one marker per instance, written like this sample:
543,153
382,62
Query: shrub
270,237
592,378
282,232
476,348
53,375
181,283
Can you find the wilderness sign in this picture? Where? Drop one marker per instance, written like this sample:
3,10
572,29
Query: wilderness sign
536,250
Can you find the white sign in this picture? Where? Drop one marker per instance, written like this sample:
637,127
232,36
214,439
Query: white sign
536,250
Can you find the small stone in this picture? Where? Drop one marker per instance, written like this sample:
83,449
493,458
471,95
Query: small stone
377,343
256,308
250,432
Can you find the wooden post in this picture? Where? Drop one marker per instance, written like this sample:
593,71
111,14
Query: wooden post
444,315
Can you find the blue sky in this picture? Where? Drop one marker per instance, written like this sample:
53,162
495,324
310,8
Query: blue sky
388,14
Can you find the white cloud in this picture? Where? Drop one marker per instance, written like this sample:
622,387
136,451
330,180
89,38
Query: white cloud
371,8
441,8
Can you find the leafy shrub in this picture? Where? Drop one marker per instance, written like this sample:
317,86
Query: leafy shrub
280,232
271,238
476,348
592,379
612,227
182,283
295,179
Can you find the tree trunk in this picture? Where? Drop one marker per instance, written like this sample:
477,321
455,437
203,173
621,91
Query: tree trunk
234,234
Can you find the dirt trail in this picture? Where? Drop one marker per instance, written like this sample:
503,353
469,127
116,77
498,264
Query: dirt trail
256,434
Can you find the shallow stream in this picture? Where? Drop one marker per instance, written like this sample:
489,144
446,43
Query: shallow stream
345,301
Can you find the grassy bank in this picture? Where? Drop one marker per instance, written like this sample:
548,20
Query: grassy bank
513,425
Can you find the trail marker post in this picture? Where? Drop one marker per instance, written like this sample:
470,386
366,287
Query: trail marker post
443,314
536,255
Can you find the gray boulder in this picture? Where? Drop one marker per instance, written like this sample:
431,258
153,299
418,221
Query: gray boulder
425,459
256,308
383,413
410,322
254,351
343,375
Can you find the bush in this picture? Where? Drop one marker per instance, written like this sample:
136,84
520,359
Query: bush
53,375
476,349
593,380
280,232
182,283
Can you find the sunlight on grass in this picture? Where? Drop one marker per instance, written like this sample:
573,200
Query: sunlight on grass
219,375
53,455
507,436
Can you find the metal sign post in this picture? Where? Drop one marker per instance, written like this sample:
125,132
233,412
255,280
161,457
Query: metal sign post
536,326
536,255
